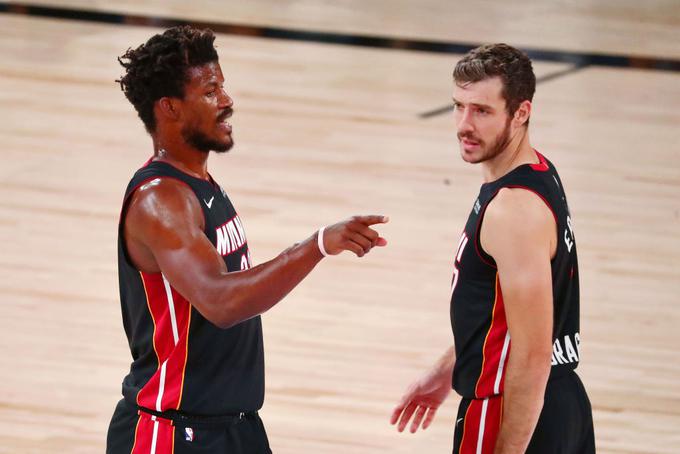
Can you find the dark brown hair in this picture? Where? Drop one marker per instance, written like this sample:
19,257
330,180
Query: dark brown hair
159,67
499,60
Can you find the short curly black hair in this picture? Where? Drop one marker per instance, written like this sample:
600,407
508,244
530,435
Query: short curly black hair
512,65
159,67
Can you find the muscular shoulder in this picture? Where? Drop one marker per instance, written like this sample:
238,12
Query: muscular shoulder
517,217
517,204
162,206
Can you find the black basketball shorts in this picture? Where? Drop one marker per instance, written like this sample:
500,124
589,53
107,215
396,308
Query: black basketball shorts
134,432
565,425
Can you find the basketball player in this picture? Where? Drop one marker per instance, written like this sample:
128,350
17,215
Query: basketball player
515,291
190,299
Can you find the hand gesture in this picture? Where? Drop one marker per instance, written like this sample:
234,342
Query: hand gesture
424,395
353,235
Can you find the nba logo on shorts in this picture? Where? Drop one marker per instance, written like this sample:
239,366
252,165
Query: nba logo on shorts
188,434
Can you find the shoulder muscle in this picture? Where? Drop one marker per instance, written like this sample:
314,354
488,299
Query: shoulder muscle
517,220
163,211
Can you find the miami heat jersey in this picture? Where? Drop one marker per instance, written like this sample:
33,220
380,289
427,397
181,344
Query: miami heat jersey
482,340
181,361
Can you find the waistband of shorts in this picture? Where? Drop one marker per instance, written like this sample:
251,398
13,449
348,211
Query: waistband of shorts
180,419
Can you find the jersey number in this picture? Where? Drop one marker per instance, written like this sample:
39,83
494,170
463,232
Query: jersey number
245,261
459,253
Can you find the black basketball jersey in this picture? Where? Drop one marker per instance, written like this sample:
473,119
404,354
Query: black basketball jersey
181,361
480,331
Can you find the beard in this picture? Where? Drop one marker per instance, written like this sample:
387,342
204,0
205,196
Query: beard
494,148
202,142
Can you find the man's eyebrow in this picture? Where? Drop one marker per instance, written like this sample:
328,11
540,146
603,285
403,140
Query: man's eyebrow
485,106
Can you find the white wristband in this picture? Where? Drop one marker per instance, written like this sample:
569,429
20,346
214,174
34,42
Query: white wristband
319,240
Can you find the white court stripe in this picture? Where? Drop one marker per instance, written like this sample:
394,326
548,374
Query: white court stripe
161,387
155,437
482,423
171,308
501,363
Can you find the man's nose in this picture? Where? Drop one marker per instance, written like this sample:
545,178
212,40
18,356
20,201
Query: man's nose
226,101
463,122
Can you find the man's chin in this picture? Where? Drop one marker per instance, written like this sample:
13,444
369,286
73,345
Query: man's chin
471,157
206,144
223,147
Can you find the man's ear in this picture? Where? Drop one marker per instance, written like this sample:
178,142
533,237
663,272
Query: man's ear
168,108
522,113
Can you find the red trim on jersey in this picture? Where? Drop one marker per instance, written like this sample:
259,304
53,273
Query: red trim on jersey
467,427
186,356
153,338
171,352
165,435
493,348
494,416
542,165
176,366
473,422
134,444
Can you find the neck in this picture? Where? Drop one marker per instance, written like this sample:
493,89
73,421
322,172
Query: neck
181,155
518,152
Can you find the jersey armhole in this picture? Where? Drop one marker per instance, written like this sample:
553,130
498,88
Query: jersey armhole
484,257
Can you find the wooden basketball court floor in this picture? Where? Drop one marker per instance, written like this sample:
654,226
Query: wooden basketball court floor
323,132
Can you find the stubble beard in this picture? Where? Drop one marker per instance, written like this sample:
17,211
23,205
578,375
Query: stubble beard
204,143
496,147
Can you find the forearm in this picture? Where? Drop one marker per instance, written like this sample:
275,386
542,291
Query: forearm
444,366
236,297
525,382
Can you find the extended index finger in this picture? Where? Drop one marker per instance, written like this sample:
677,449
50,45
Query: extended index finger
372,219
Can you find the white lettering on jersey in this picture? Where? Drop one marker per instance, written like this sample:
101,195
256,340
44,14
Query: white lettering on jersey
230,236
461,245
569,234
571,351
223,244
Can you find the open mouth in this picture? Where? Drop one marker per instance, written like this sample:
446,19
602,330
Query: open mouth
222,120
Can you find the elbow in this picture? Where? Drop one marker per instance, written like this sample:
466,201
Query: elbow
227,316
223,322
533,360
221,312
223,319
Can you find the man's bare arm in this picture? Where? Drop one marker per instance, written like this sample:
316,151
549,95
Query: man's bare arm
164,232
425,394
519,232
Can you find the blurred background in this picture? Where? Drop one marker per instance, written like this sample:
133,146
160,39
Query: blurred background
341,108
